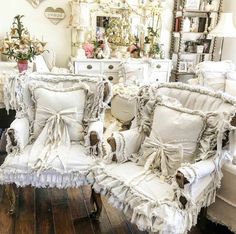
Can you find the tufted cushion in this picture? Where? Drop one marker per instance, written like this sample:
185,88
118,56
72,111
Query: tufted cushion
175,133
69,103
193,99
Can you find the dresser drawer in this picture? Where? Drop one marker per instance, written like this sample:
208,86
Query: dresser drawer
159,77
87,67
111,66
112,77
160,66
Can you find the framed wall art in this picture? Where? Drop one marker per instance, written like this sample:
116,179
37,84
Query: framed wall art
183,66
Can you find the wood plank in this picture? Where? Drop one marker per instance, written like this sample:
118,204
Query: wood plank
102,225
79,212
6,221
44,219
76,203
25,220
62,219
117,220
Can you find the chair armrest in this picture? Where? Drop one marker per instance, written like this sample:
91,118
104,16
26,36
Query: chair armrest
189,174
18,135
193,180
94,137
124,143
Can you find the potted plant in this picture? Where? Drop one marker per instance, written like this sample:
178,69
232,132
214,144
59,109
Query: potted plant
18,45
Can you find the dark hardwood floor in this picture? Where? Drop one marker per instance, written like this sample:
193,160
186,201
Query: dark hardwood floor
49,211
60,211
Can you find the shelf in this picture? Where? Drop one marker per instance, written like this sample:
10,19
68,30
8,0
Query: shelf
182,73
196,20
191,53
189,32
194,11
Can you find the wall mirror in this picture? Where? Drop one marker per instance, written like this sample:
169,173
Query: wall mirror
100,22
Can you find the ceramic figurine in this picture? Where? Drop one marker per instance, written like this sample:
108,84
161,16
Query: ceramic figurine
106,49
99,53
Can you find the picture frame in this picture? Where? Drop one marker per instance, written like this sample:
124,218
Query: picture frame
183,66
192,4
190,66
206,45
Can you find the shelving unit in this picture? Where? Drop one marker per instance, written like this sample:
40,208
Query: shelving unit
191,45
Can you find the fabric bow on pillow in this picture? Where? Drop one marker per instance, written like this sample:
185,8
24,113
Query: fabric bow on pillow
175,135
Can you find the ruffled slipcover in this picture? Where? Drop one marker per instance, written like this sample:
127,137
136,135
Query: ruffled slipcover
20,169
150,197
65,111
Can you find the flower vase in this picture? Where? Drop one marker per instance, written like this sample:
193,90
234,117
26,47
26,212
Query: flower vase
22,65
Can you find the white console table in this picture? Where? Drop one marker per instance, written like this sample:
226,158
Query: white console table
160,69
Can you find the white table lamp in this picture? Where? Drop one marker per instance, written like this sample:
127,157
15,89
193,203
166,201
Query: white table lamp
224,28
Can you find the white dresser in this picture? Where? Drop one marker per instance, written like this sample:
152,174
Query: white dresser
159,70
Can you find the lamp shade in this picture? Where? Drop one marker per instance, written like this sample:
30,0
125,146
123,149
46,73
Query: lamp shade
225,26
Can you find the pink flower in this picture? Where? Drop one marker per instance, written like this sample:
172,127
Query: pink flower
88,47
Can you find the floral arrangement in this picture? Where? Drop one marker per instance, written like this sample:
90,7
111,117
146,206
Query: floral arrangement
97,49
89,49
18,45
119,32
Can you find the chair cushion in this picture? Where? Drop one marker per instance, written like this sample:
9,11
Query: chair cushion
174,137
69,171
69,103
141,195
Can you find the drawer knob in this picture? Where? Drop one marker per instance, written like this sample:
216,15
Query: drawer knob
89,66
110,67
158,66
110,78
157,79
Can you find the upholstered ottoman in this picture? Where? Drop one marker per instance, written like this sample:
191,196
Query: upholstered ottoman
224,209
123,102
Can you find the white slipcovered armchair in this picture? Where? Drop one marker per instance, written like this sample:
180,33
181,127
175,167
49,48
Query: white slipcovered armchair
167,167
57,135
221,76
214,75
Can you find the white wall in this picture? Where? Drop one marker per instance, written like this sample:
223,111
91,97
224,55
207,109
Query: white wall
230,43
57,36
